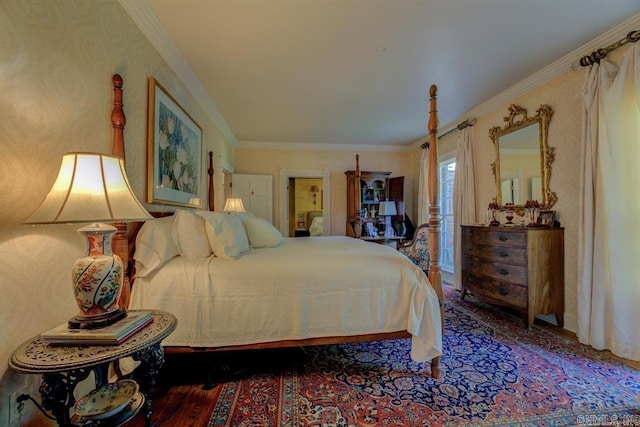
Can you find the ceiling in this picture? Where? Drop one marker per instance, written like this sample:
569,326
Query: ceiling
358,71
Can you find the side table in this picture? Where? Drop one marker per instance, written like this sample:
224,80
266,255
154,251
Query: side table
63,367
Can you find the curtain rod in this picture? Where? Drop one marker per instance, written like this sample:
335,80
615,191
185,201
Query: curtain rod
461,125
597,55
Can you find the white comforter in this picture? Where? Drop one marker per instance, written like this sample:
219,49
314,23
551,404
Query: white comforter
303,288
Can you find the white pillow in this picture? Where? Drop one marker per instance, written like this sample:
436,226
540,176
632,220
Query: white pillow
244,216
262,233
226,234
154,245
190,235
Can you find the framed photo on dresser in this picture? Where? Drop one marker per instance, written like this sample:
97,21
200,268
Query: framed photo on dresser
547,218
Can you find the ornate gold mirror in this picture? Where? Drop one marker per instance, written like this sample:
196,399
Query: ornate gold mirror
522,169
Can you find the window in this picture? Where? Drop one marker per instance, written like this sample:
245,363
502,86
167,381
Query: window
447,253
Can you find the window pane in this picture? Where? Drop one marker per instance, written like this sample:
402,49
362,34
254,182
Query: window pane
447,174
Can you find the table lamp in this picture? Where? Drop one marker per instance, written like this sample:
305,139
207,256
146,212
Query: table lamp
93,188
233,205
387,210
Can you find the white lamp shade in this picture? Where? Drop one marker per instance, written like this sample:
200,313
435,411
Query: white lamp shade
233,205
90,188
387,208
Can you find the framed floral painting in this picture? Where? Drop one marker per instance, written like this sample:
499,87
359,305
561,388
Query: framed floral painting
174,151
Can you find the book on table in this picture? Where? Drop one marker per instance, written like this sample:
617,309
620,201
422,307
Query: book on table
114,334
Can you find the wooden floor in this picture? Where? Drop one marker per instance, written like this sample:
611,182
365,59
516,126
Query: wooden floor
184,397
185,394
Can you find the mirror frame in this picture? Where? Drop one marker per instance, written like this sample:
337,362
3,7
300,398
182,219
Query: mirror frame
518,119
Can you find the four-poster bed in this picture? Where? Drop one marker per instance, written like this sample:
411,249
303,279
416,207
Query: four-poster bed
412,308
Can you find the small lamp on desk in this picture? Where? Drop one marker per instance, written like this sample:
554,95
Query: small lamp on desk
387,210
93,188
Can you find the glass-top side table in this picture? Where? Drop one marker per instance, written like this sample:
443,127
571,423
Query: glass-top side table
64,366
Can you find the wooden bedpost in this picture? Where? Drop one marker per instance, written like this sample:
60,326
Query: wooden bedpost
118,120
435,275
357,231
120,243
211,190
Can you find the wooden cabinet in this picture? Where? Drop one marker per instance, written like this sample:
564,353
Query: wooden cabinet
520,268
364,197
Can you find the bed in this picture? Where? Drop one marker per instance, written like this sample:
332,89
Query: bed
235,283
316,223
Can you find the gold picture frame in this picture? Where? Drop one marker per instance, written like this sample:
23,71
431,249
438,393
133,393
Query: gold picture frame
174,151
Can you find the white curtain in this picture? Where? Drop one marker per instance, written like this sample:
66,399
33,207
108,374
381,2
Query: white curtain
423,189
609,232
464,199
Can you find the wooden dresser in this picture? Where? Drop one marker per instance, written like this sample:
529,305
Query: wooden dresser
521,268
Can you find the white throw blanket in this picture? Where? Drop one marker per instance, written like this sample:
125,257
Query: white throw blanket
303,288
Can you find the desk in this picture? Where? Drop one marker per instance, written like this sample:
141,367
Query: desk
63,367
388,241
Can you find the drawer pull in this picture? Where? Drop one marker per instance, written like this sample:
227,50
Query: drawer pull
503,238
503,292
503,271
504,254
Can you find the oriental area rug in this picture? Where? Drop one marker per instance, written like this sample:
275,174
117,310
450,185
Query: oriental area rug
496,373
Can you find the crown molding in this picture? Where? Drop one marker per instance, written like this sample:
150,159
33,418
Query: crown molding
307,146
569,62
149,25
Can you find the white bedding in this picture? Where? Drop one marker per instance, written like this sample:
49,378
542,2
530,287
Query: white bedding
317,226
303,288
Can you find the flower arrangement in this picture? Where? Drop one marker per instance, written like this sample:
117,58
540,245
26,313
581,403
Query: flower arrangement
177,159
532,207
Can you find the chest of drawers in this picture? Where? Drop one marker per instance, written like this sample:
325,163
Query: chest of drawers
520,268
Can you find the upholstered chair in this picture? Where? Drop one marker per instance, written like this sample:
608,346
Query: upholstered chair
417,249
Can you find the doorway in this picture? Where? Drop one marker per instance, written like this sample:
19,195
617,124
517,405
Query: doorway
297,194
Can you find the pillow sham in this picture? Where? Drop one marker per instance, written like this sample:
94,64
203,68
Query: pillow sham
244,216
190,236
226,234
262,233
154,245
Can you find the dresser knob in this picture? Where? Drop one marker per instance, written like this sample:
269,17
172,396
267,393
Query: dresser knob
503,291
504,254
503,238
503,271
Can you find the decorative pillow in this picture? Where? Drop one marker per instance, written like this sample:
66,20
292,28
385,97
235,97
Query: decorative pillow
154,245
190,236
262,233
244,216
226,234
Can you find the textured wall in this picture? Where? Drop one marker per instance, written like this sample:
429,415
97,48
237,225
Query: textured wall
56,62
271,161
563,94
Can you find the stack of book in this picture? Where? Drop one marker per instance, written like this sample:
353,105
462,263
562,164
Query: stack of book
114,334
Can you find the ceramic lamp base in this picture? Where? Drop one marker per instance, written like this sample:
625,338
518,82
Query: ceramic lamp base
93,322
97,279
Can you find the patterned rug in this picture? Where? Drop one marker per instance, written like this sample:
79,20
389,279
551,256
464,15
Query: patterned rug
496,373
